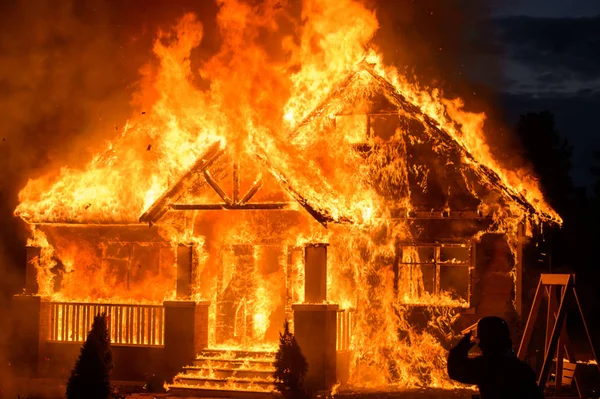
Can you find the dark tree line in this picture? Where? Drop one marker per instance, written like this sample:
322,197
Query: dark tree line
571,248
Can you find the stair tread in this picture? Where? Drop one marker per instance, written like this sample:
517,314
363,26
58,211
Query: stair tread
228,379
175,387
239,359
222,371
227,369
239,353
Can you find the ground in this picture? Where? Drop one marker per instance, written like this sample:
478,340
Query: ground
40,388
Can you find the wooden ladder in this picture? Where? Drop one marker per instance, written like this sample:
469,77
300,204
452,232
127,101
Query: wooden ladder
557,344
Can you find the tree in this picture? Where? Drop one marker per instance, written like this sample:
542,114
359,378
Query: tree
595,171
551,156
290,365
90,376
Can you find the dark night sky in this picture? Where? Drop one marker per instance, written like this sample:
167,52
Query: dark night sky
549,51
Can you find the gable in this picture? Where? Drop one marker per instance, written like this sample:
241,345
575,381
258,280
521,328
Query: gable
373,150
412,162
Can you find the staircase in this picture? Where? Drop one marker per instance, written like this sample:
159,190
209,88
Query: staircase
228,374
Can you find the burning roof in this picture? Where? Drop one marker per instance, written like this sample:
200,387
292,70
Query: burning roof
339,167
440,174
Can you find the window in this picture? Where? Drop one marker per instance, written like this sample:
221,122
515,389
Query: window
352,127
360,128
434,270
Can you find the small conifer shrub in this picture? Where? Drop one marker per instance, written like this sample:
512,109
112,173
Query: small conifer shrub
290,365
90,376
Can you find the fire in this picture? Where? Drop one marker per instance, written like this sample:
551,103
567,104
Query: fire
289,111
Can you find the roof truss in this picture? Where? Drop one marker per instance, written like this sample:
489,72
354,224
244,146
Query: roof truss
190,182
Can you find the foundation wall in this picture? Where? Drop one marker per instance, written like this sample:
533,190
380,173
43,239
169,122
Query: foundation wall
131,363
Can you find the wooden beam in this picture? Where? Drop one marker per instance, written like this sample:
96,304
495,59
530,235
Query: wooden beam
251,206
437,214
257,185
535,307
161,206
236,181
555,279
566,298
319,215
551,313
215,186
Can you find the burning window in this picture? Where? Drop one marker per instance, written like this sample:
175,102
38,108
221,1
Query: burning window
365,127
383,126
434,269
352,127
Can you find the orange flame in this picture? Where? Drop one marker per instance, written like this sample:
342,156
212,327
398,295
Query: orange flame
292,107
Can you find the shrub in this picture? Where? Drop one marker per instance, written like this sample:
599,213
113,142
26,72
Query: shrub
90,376
290,365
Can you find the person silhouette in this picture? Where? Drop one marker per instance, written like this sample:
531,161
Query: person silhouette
498,372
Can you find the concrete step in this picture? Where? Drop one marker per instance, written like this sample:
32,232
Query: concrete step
250,360
231,383
236,364
217,372
227,373
198,392
236,354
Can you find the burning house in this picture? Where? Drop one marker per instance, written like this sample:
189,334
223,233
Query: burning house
338,196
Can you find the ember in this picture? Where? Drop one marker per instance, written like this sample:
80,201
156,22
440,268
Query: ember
330,146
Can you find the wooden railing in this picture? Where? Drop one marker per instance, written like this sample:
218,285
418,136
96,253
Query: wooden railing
138,325
344,329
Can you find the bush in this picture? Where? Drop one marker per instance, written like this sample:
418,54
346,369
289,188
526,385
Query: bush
290,365
90,376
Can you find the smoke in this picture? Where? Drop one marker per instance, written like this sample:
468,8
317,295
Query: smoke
454,47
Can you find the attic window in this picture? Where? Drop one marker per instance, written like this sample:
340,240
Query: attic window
383,126
352,127
361,128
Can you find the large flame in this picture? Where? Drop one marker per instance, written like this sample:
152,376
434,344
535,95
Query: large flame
268,98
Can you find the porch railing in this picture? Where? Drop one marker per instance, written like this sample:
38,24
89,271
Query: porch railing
344,329
138,325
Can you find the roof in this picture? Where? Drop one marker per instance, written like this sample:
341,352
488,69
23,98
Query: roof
431,169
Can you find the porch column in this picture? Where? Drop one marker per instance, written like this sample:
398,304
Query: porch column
28,317
186,333
315,273
185,265
315,322
31,283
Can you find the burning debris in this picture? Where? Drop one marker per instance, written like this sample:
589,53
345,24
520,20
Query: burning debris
398,181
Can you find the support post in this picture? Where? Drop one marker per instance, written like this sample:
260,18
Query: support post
551,314
186,333
31,283
315,322
26,334
519,271
236,181
185,265
315,274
